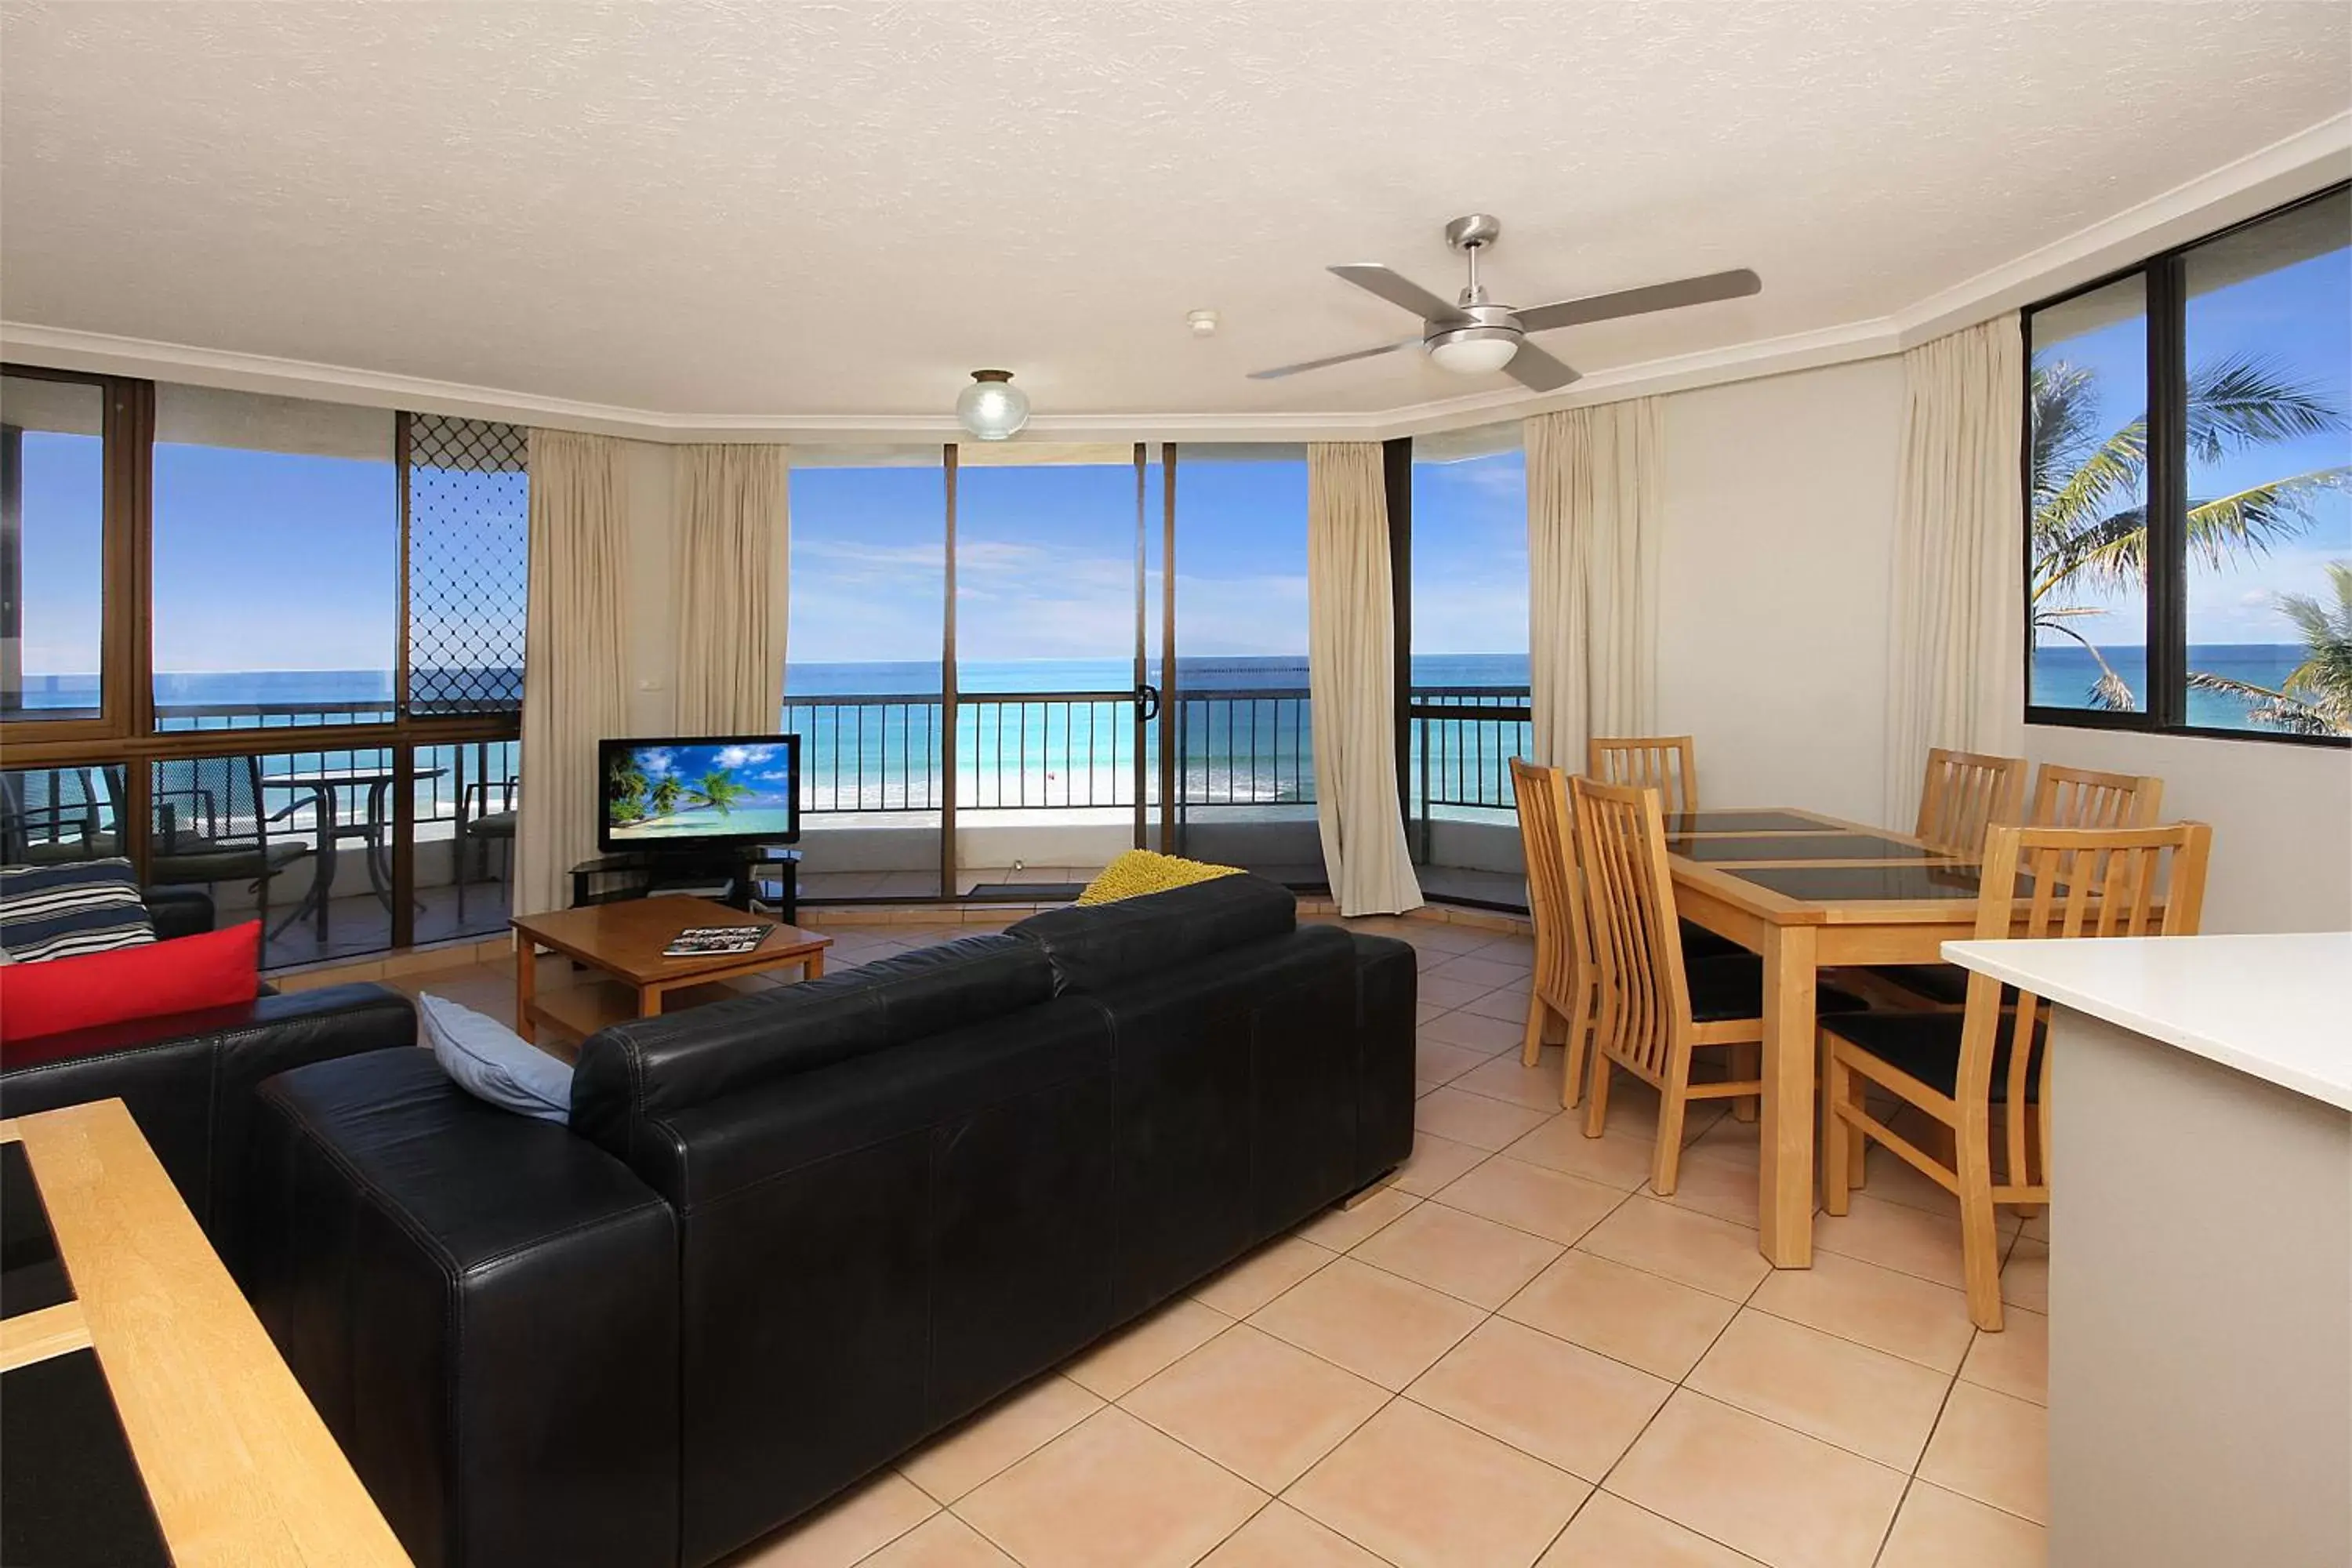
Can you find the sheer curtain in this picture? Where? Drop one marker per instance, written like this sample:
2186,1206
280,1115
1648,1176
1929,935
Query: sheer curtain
733,531
1350,666
573,691
1595,501
1956,670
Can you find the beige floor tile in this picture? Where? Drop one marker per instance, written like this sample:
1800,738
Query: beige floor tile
1610,1533
1376,1325
1993,1448
983,1445
1478,1119
1434,938
1480,969
1263,1409
1697,1249
1111,1490
1509,1005
1504,1078
1894,1235
1282,1537
1245,1286
1473,1032
1339,1228
1616,1159
2016,1361
1777,1495
942,1541
1713,1184
1434,1061
1880,1308
2025,1279
1938,1528
849,1530
1464,1255
1875,1404
1567,1406
1424,1012
1142,1348
1551,1204
1423,1491
1435,1162
1450,994
1640,1318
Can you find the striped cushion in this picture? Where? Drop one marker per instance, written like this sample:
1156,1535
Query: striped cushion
61,911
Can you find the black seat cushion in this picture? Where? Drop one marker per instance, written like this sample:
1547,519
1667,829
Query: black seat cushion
1732,986
1927,1046
1700,942
1943,982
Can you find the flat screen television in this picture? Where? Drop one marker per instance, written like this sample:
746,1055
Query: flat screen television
698,792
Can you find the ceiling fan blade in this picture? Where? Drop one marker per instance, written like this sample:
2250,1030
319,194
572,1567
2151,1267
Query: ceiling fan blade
1397,290
1537,370
1700,290
1282,369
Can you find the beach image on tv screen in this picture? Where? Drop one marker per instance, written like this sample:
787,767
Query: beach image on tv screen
670,791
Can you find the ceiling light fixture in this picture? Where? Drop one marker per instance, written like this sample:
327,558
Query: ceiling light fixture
1203,322
1476,349
991,407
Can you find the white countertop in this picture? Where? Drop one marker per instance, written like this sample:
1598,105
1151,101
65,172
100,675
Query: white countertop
2276,1007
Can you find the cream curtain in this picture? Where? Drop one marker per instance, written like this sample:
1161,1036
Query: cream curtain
1956,672
574,630
733,526
1595,501
1351,668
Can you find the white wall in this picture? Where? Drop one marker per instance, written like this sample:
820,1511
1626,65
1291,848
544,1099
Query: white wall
1772,635
2282,818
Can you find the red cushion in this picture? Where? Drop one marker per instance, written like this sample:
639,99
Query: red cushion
218,969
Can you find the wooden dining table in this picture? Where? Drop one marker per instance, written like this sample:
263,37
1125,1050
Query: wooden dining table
1810,891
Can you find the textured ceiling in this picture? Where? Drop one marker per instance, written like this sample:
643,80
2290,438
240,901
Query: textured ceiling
764,208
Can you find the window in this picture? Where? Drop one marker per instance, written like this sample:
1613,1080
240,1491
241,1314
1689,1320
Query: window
52,548
2189,488
276,561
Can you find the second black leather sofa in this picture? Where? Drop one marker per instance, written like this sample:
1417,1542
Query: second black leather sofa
789,1236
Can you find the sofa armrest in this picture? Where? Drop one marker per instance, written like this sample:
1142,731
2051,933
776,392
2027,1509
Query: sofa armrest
188,1080
483,1306
178,911
1388,981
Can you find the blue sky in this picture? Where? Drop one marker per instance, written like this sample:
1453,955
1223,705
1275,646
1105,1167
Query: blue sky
2295,320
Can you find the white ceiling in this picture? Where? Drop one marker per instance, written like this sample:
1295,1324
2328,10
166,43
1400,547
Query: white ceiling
733,208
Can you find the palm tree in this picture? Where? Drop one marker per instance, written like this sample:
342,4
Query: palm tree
719,790
2315,698
624,787
666,791
2087,489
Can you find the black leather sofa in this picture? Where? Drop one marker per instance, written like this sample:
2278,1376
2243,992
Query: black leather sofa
189,1078
788,1236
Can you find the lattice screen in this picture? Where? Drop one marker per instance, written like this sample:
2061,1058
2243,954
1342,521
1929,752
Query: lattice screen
468,563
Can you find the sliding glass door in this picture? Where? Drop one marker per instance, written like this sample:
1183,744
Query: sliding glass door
1057,713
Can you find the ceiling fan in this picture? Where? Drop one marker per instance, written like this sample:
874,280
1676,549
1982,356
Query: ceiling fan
1471,336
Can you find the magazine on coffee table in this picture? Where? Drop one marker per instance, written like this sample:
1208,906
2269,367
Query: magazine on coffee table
715,941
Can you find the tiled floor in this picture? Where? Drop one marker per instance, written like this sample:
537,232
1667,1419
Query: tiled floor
1515,1355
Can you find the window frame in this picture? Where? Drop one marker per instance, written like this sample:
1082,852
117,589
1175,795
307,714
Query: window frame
2164,280
125,733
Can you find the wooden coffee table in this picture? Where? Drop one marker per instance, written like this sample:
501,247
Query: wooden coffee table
625,939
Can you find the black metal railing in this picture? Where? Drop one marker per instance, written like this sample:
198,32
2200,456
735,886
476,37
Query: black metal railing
1464,738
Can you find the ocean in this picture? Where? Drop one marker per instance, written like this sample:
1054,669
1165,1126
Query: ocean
2063,674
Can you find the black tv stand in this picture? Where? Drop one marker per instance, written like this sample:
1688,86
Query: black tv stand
760,876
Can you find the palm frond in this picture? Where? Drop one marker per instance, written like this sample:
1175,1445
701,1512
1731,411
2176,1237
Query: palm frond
2108,691
2323,678
2233,527
2241,400
2278,709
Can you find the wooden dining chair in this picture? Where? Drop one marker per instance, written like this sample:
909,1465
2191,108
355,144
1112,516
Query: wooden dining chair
1667,763
1984,1072
1965,793
1657,1007
1560,996
2079,798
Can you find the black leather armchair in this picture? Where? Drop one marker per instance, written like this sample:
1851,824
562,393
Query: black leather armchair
890,1195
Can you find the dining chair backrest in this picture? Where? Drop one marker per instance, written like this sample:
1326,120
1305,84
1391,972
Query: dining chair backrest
2064,882
1547,844
2079,798
210,803
1636,946
1966,793
1667,763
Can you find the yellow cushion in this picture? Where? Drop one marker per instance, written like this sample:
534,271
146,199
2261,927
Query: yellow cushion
1141,871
